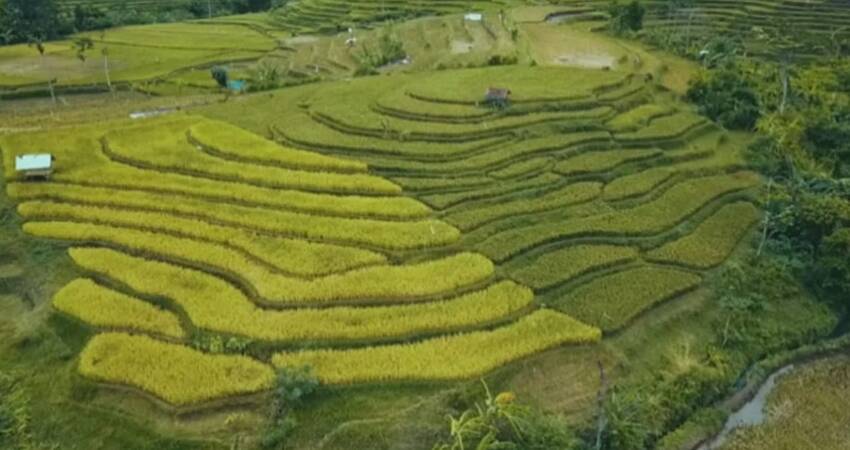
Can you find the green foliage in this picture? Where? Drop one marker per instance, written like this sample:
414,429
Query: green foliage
703,423
389,49
30,20
833,266
292,386
726,97
265,76
827,137
626,18
636,416
752,289
81,46
500,423
219,74
216,344
15,416
89,17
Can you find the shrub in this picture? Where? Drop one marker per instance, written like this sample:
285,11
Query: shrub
292,385
625,18
725,96
389,49
500,422
220,75
265,76
833,267
502,60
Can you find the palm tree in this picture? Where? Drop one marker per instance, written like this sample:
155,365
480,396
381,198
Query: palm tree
38,43
104,51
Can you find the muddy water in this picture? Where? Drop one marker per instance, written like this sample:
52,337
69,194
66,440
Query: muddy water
752,413
574,16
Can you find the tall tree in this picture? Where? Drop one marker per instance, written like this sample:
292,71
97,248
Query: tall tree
104,52
32,19
39,46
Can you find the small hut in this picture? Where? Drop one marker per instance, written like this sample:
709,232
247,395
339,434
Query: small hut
34,166
499,97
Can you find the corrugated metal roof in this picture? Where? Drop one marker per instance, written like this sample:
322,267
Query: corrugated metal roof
33,162
474,17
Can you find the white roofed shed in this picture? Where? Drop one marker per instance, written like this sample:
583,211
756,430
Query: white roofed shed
34,165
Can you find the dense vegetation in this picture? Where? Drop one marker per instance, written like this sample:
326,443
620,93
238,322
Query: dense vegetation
335,264
42,20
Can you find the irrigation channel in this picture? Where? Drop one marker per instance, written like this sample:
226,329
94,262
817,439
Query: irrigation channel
752,412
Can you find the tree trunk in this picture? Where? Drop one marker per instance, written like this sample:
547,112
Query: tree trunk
49,81
784,79
601,421
106,72
52,91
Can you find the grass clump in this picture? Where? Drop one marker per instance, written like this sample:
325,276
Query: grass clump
104,308
471,354
174,373
713,240
612,302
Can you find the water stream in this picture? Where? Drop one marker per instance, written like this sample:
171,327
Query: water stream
751,414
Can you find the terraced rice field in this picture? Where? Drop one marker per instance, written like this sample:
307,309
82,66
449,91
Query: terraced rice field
827,21
389,221
337,15
136,54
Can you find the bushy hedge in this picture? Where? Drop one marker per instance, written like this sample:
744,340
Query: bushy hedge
727,97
